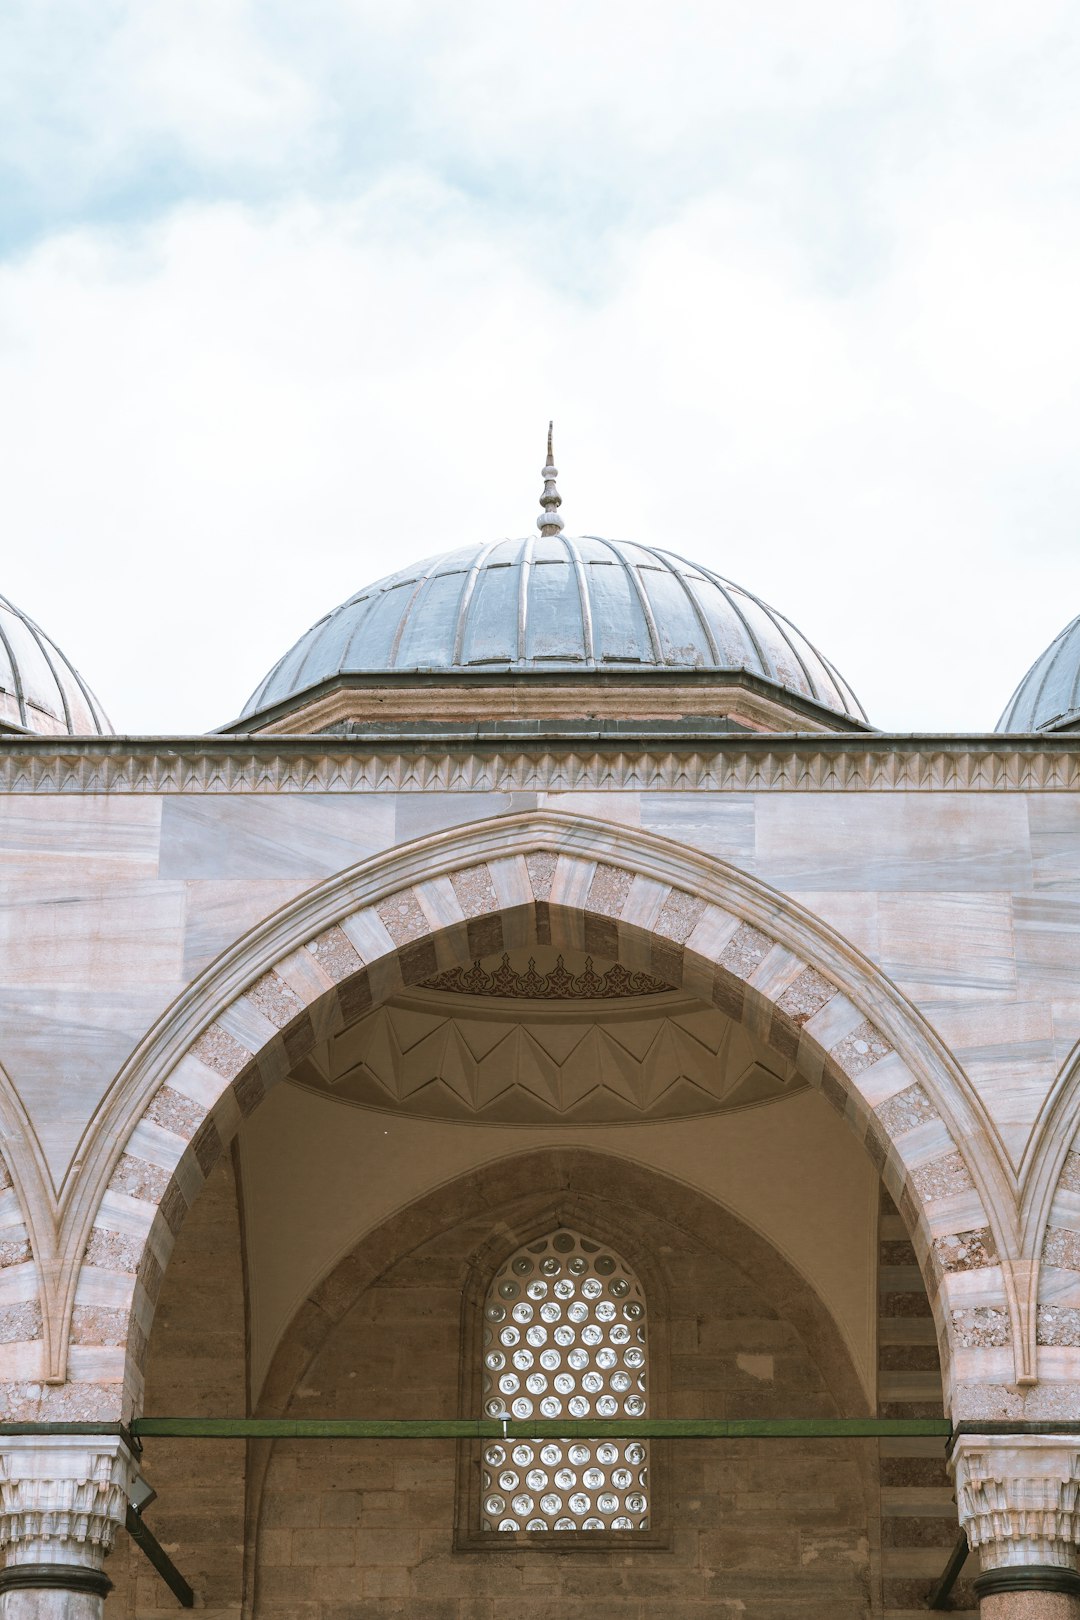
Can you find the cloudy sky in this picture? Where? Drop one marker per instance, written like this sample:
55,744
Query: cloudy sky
288,291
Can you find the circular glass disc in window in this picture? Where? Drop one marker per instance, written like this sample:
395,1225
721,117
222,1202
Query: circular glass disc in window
564,1316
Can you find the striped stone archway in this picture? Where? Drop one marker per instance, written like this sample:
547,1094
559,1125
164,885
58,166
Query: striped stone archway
543,878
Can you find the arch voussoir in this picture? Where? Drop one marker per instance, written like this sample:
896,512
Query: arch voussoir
731,959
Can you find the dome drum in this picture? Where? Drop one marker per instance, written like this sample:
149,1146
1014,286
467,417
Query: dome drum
513,702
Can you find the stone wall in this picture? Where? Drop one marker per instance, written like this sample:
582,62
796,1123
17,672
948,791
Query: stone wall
773,1529
918,1513
366,1530
196,1368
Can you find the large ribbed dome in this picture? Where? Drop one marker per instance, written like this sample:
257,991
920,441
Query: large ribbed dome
39,689
1048,697
555,604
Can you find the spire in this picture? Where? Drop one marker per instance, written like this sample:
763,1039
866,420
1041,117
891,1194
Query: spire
549,521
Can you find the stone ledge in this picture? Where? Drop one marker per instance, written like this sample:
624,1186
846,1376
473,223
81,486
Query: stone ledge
538,762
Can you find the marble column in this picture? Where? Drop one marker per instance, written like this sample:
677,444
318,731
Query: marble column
1018,1497
62,1499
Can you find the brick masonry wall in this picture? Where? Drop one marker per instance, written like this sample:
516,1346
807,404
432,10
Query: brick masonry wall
365,1531
918,1512
196,1368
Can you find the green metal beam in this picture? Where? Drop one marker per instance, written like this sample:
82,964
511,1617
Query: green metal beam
865,1428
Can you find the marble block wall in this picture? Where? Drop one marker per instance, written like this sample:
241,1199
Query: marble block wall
111,904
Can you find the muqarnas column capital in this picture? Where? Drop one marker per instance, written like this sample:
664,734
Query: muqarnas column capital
1018,1500
62,1498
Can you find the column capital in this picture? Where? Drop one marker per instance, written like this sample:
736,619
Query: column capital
1018,1500
62,1498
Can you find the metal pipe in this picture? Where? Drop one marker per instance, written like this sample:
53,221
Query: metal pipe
939,1597
144,1538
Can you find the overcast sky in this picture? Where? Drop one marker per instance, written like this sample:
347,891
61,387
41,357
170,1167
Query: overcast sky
289,290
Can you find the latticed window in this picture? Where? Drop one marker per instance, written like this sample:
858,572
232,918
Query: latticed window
565,1336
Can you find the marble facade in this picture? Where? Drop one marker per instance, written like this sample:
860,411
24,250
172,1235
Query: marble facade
900,920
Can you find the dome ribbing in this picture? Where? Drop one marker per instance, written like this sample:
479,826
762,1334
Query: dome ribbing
1048,697
556,604
40,690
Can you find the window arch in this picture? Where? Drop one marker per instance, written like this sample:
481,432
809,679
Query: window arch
565,1335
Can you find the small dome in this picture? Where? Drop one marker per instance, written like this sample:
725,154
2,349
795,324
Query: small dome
39,689
1048,697
556,604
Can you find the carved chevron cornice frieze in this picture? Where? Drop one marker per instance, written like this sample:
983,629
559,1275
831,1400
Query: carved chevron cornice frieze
755,765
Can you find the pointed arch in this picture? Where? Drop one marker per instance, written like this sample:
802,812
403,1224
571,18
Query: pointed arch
29,1326
1051,1225
549,878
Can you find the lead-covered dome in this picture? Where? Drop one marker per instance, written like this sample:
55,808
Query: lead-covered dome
555,604
39,689
506,631
1048,697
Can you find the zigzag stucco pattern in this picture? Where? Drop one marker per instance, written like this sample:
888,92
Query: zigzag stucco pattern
587,905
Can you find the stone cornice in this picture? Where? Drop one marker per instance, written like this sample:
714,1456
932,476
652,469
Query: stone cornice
657,763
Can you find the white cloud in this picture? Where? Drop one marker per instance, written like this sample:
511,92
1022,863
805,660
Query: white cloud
821,333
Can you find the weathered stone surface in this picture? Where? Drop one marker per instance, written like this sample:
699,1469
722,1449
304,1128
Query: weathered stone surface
608,890
113,1250
98,1324
275,999
1062,1248
865,1046
475,891
907,1109
176,1113
679,915
540,866
745,950
403,918
1058,1324
221,1052
942,1178
966,1251
335,954
981,1325
806,995
139,1179
20,1323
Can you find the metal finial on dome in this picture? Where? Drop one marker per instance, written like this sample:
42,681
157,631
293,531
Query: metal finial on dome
549,521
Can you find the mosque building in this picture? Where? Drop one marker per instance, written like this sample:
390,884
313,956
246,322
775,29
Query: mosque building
548,1113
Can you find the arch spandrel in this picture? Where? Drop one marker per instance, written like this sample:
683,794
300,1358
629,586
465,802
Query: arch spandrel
554,879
